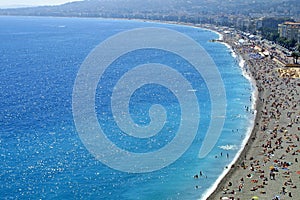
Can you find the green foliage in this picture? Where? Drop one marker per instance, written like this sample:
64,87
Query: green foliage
289,44
269,33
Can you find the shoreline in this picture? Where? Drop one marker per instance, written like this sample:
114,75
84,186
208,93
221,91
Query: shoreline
254,96
254,151
246,143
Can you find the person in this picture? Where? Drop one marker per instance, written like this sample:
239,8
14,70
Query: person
240,187
283,190
272,175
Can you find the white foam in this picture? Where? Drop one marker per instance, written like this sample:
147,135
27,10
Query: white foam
228,147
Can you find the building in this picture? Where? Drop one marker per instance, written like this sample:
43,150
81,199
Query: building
289,30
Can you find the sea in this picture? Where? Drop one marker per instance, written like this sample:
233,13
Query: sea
42,152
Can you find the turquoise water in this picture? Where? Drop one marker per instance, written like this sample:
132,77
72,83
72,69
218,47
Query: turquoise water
41,154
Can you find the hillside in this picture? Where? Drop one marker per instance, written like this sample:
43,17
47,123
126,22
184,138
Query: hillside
183,10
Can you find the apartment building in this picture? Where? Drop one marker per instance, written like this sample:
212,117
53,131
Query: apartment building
290,30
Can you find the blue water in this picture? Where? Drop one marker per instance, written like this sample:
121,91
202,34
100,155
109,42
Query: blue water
41,154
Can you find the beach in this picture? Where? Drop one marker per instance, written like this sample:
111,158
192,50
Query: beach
268,167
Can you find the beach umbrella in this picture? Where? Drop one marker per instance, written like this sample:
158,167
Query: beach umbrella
272,167
255,197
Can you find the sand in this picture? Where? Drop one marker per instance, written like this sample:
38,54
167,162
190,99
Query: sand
269,165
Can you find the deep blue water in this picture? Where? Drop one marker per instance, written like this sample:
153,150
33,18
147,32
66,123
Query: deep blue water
41,154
